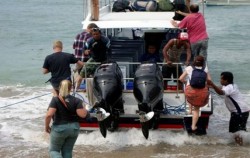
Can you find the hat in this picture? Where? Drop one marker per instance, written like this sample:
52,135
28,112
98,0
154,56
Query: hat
183,36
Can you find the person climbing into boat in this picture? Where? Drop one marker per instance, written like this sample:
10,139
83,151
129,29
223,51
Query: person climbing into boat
151,55
172,52
97,47
197,95
58,64
196,29
79,47
235,103
65,110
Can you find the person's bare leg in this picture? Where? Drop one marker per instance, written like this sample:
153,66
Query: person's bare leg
195,117
190,109
78,81
238,139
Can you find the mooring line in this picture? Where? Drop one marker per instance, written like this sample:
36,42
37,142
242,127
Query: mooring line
24,100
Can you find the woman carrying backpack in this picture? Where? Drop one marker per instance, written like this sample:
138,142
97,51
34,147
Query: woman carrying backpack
196,91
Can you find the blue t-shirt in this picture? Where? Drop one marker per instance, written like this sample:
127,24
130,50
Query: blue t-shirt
147,57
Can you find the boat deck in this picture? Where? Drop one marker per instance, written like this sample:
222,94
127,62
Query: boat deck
109,19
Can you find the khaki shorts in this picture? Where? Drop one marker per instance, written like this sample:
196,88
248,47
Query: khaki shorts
88,69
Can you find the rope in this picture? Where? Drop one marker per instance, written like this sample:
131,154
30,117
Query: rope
24,100
173,109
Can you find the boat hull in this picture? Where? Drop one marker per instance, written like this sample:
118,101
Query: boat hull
165,123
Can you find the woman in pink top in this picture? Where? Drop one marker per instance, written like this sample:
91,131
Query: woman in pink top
196,28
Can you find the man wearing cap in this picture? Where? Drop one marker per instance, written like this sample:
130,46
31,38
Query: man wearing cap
196,29
172,52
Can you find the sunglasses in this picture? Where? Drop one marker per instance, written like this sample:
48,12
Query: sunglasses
95,29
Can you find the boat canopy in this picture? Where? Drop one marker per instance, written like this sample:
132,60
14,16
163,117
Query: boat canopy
132,20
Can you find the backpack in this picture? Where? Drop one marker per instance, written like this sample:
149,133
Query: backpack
179,5
198,78
121,6
144,5
165,5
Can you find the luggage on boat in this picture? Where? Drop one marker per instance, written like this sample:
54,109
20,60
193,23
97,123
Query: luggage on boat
121,6
144,5
181,6
165,5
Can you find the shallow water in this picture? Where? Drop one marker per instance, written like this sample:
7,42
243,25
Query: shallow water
27,29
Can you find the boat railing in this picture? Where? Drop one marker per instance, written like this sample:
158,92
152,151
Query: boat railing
128,79
87,6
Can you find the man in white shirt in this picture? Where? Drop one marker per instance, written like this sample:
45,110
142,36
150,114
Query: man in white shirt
235,103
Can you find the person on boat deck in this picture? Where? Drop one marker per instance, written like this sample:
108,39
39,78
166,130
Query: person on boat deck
79,47
97,47
151,55
196,97
80,40
235,103
172,52
64,131
58,64
196,29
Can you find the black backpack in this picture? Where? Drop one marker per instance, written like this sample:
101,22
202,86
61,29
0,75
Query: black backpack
198,78
179,5
144,5
121,6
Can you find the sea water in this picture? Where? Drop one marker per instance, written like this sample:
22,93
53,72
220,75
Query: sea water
27,30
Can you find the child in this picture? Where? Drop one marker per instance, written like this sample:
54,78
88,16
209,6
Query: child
151,55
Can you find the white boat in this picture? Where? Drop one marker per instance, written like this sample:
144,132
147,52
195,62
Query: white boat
129,32
227,2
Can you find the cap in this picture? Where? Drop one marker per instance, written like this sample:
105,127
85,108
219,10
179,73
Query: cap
183,36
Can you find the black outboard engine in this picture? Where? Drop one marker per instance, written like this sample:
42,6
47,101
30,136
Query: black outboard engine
108,87
148,91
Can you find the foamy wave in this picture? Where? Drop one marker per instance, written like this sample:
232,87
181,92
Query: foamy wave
23,121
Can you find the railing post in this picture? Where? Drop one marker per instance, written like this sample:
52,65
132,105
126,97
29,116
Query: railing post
95,10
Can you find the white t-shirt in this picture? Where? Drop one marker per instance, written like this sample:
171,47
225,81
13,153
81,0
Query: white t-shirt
233,91
189,71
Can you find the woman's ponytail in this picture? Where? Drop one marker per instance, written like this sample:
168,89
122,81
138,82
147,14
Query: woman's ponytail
65,87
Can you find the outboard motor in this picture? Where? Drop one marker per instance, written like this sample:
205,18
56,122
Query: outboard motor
148,91
108,87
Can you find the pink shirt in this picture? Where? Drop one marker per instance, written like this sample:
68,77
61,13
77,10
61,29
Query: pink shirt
196,27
